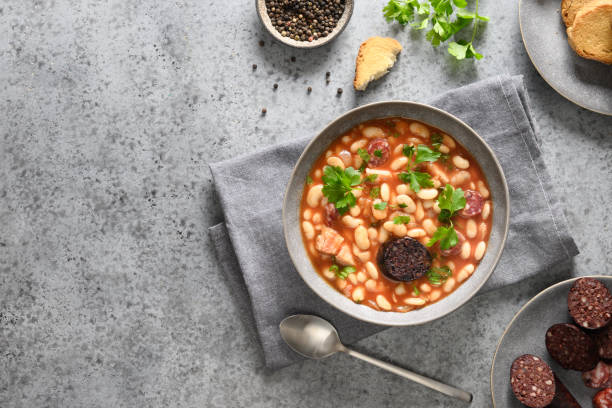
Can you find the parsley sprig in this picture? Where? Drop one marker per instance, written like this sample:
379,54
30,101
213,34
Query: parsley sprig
446,18
417,179
338,186
438,275
450,201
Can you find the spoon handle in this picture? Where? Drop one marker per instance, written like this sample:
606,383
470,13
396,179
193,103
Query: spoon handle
428,382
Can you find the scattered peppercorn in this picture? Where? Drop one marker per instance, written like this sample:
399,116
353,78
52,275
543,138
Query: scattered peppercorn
327,74
292,59
327,81
261,43
309,89
254,66
264,111
305,20
339,91
275,86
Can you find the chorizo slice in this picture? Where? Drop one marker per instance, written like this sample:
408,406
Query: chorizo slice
571,348
532,381
597,377
404,259
603,399
331,214
590,303
379,151
473,204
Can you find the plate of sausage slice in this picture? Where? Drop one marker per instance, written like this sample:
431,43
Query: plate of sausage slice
557,350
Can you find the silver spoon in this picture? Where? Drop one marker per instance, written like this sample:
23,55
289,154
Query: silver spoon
314,337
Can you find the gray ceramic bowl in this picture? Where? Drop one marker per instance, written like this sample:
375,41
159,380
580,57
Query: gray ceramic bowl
265,19
447,123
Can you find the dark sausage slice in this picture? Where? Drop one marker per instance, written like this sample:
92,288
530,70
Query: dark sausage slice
383,147
331,214
603,339
532,381
603,399
404,259
473,204
590,303
571,348
597,377
563,398
454,250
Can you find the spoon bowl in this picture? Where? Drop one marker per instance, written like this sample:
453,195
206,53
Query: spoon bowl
314,337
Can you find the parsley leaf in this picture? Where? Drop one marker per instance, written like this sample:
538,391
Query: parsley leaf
446,18
378,153
450,201
416,179
370,178
365,156
338,186
425,154
401,219
375,192
438,275
415,290
408,151
436,140
308,180
380,206
402,205
446,235
344,272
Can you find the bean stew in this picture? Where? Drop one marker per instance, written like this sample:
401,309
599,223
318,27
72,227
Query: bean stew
396,214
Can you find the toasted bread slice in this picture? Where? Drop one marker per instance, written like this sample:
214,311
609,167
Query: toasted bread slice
569,8
374,59
591,33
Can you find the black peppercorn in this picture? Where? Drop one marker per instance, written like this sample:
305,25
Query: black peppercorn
275,86
339,91
264,111
254,66
309,89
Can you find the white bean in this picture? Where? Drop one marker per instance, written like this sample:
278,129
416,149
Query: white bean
309,231
425,288
427,193
351,222
466,250
451,265
416,233
346,139
307,214
361,238
385,192
371,285
447,140
316,218
313,198
486,210
399,163
341,283
466,271
401,189
429,226
328,153
435,295
317,173
358,161
335,161
372,233
482,189
400,289
355,211
361,276
414,301
460,162
379,214
419,129
419,213
359,144
480,250
448,285
436,208
357,192
399,230
380,173
460,178
353,278
383,303
383,235
372,270
364,256
358,294
373,131
398,149
482,230
406,201
471,229
427,204
329,274
444,149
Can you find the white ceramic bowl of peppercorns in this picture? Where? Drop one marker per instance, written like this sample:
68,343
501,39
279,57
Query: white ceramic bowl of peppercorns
304,23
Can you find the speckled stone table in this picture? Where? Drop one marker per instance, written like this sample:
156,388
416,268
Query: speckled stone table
110,295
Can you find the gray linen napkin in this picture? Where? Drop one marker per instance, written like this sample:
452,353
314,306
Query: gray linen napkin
250,245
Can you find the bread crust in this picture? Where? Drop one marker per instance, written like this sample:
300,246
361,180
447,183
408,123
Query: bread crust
569,9
590,35
374,59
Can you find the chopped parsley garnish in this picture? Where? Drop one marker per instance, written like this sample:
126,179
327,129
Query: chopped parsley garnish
402,205
436,140
378,153
342,273
375,192
365,156
450,201
338,186
380,206
438,275
401,219
370,178
417,179
415,290
308,180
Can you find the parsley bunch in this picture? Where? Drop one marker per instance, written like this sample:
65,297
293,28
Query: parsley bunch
418,179
338,186
445,20
450,201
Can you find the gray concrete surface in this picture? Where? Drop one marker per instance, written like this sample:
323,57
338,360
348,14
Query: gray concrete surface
109,113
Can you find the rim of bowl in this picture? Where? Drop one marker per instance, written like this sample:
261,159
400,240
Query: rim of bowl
260,5
497,256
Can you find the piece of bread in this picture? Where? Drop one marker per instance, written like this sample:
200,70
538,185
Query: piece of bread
374,59
569,8
591,33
